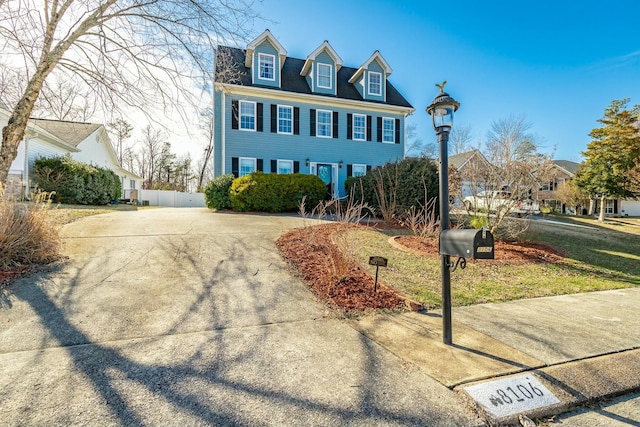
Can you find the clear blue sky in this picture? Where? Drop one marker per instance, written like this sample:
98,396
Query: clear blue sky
559,63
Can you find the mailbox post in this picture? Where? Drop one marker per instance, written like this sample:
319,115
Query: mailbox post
441,111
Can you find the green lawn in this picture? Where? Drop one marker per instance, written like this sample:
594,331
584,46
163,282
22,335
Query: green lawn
602,256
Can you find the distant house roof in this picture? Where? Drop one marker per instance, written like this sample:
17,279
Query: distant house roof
459,160
73,133
569,166
231,58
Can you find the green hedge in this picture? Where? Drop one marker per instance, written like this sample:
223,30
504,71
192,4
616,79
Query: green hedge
216,193
414,176
275,193
75,182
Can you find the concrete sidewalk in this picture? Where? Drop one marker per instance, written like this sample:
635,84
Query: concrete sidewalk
581,347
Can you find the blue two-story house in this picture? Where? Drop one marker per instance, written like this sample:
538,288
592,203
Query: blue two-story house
278,114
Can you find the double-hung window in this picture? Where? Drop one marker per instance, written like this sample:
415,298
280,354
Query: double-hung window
267,66
247,115
324,123
285,166
247,165
375,83
324,76
359,127
610,207
388,130
358,170
285,119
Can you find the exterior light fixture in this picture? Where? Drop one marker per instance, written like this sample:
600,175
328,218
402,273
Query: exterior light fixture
340,164
306,162
441,111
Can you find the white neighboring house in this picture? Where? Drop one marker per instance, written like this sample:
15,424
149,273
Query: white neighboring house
85,142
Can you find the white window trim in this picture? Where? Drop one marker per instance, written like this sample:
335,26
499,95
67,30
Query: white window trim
353,166
278,119
393,134
255,112
609,206
330,124
284,161
371,73
255,165
353,127
273,59
330,75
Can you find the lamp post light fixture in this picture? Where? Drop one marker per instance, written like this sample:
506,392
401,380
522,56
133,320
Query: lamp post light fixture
441,111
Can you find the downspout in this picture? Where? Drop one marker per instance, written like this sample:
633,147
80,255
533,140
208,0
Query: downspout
213,111
222,132
25,175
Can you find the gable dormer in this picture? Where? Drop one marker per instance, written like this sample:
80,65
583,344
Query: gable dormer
265,57
371,78
320,69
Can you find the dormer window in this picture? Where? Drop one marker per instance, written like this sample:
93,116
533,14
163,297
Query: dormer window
267,66
375,83
325,76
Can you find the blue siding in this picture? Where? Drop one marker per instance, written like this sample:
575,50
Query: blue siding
324,58
273,146
266,48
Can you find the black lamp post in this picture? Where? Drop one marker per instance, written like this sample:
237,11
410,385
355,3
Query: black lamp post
441,111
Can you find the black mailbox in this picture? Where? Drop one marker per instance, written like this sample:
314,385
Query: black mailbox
467,243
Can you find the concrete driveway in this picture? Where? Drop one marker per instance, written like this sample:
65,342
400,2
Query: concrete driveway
188,317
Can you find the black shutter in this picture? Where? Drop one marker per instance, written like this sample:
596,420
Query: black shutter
296,121
259,108
368,168
335,124
296,167
349,127
259,165
235,167
615,206
312,122
274,118
349,170
368,128
379,123
274,166
234,114
397,131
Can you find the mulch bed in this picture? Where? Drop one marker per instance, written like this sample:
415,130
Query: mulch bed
505,252
331,276
342,284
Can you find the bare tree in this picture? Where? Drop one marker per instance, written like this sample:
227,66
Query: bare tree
514,172
460,139
134,53
121,130
154,158
205,167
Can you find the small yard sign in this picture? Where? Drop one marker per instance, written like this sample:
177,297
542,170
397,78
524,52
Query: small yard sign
378,261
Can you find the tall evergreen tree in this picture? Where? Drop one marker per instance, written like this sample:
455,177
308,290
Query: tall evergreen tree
612,156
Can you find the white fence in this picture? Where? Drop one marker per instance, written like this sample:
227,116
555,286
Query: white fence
175,199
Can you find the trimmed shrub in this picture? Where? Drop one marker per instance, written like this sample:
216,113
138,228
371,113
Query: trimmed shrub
216,193
402,185
275,193
75,182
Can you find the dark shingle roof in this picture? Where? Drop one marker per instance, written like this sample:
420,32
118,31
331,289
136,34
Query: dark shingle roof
567,165
230,68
